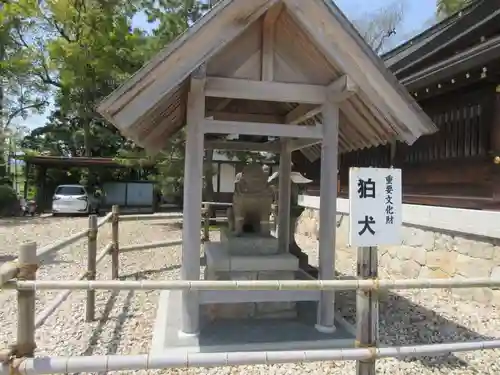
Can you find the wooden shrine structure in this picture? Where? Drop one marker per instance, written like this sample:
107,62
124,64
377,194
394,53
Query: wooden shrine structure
281,74
452,70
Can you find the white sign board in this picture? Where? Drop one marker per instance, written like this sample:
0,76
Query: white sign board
375,205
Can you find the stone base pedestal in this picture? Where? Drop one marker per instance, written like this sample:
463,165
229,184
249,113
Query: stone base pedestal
251,244
229,260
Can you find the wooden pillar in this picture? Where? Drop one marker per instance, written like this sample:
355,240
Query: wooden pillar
27,167
115,240
328,214
366,309
91,266
28,264
285,170
495,148
193,185
40,197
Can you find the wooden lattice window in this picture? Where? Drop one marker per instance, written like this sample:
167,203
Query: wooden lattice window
462,134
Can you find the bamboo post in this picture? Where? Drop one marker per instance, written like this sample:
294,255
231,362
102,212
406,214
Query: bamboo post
366,309
115,218
28,264
91,266
206,221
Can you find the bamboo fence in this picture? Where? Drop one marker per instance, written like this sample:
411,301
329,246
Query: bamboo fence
20,275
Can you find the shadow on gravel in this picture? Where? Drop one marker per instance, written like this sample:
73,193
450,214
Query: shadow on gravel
48,259
24,220
401,323
105,318
7,258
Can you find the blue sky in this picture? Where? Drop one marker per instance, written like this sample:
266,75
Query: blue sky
418,14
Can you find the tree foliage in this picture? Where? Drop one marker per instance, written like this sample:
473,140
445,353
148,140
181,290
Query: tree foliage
74,53
445,8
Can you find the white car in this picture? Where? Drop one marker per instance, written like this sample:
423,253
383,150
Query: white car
74,199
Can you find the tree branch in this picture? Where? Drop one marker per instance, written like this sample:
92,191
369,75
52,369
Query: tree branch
20,110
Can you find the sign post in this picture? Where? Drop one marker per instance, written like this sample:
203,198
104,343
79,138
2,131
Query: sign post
375,200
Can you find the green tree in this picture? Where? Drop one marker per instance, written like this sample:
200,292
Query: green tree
77,51
445,8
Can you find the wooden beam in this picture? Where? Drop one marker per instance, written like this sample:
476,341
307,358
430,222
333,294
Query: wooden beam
302,113
284,204
302,143
247,65
199,79
243,146
270,91
193,185
256,128
268,35
327,214
229,116
339,90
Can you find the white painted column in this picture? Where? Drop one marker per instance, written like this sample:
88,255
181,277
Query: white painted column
328,214
285,169
193,184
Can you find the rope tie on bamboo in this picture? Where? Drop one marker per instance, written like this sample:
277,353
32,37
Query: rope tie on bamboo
22,350
6,355
92,235
376,285
27,271
371,348
359,344
15,355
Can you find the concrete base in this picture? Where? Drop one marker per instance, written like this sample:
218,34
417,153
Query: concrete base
248,243
245,334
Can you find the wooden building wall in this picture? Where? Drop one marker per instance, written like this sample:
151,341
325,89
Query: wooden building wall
452,167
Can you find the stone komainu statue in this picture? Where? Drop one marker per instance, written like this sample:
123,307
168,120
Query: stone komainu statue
252,201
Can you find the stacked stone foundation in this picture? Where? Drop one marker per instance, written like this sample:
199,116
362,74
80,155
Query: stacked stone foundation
424,253
249,258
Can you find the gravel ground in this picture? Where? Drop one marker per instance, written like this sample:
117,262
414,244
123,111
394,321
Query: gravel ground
125,320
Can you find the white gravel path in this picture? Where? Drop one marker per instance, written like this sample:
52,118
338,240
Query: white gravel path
125,320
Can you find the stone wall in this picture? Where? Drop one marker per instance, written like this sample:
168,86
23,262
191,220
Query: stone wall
424,253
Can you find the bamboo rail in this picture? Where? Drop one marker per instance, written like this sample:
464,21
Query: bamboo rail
91,267
157,216
190,285
104,219
151,245
115,250
105,363
62,243
28,264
